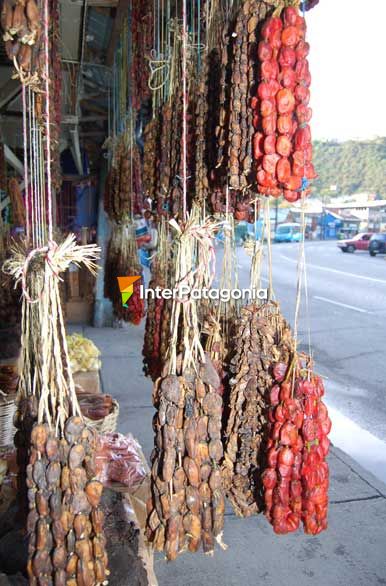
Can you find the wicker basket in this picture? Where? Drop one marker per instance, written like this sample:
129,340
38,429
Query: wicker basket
108,424
7,412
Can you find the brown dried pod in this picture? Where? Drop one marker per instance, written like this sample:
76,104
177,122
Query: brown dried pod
59,557
41,563
89,464
180,419
209,374
97,519
42,502
169,436
39,436
214,428
42,532
205,472
200,390
179,479
202,453
76,457
215,480
31,496
66,520
192,471
94,490
216,450
53,474
72,563
190,438
193,500
80,503
81,526
98,547
205,493
83,549
100,571
24,57
18,19
212,404
74,425
55,502
78,479
52,449
169,464
171,414
192,527
202,428
218,511
33,15
39,474
171,390
172,532
165,505
70,541
64,449
60,578
58,533
65,481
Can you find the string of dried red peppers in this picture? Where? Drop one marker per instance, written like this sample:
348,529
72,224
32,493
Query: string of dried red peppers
297,477
282,143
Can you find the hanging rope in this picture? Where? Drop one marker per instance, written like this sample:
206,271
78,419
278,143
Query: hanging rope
48,116
184,110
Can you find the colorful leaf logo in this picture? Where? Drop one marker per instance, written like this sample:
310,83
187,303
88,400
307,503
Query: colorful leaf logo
126,287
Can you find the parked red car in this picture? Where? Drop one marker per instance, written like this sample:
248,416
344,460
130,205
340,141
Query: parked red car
358,242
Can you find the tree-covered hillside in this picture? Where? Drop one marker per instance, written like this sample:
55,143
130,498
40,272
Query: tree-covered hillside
353,166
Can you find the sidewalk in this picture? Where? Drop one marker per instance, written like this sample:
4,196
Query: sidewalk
351,553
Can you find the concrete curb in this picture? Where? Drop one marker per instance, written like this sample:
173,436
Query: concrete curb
365,475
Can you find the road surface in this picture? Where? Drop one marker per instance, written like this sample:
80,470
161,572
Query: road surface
346,316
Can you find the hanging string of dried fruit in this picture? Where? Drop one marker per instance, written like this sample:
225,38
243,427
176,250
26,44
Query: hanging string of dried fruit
158,311
220,319
151,157
297,477
22,28
282,143
235,131
187,502
122,260
142,40
55,451
124,195
56,95
263,339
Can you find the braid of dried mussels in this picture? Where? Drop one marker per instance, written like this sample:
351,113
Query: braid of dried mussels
264,339
65,522
164,168
150,157
202,184
187,502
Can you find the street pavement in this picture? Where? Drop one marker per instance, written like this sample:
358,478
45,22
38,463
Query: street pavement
345,316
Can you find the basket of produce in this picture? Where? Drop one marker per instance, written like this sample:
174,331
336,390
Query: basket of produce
100,412
83,353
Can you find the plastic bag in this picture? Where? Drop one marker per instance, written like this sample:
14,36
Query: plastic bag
118,460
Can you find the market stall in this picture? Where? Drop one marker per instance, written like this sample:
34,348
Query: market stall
201,119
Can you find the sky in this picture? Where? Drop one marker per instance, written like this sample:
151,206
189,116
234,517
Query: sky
347,62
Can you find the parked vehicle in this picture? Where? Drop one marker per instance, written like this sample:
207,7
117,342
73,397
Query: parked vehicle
289,232
358,242
377,244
